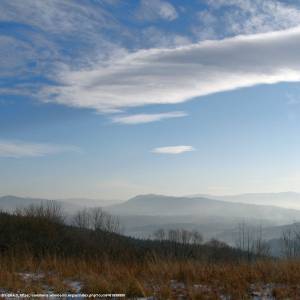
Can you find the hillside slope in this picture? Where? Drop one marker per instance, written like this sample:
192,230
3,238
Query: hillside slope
42,236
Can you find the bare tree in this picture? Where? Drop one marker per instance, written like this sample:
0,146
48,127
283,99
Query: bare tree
181,236
173,235
185,236
159,234
197,237
111,224
82,219
250,240
50,210
259,246
290,241
97,220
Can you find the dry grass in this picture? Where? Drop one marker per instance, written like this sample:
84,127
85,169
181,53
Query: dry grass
164,279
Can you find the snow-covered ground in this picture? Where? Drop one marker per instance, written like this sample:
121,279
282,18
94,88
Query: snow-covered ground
178,289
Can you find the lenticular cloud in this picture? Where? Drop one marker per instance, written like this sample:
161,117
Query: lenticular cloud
166,76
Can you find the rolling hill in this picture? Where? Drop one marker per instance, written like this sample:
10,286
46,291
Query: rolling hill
214,218
144,214
289,200
159,205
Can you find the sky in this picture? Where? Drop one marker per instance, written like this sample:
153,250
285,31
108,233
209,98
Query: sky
108,99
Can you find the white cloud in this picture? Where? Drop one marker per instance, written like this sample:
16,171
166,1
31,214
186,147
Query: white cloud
147,118
17,149
57,16
158,38
156,9
173,149
50,25
167,76
232,17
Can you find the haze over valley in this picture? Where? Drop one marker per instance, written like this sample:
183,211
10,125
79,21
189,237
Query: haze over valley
149,149
218,218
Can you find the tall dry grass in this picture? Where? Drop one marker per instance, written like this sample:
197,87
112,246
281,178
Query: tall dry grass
164,279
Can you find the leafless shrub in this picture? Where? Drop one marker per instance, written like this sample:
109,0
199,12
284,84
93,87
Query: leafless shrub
50,210
96,219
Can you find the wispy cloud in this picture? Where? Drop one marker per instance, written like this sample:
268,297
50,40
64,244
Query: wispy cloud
147,118
57,16
118,78
46,27
18,149
151,76
173,149
231,17
156,9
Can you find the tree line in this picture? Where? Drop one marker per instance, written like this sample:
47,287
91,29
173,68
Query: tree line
93,233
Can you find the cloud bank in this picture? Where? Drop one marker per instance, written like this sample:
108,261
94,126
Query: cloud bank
147,118
173,149
17,149
168,76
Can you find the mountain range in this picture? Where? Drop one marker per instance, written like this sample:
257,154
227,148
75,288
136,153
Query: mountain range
144,214
160,205
289,200
214,218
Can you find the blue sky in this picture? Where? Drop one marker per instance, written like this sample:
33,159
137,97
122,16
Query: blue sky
109,99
